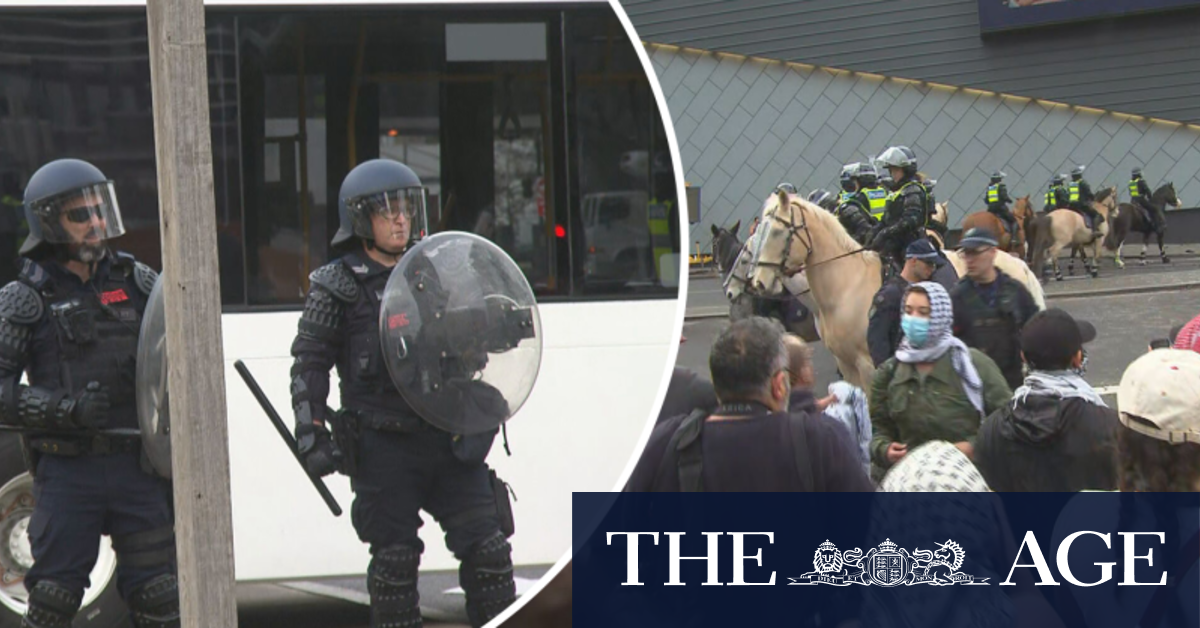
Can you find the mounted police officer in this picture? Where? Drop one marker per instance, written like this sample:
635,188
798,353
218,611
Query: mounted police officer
1056,195
877,195
907,211
997,203
1140,194
823,199
853,212
399,463
71,323
1080,198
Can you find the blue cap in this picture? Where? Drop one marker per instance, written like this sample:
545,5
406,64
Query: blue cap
923,250
978,238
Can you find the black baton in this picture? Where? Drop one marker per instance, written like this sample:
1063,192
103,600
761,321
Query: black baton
286,434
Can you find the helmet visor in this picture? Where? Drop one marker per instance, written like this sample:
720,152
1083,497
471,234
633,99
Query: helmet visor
88,215
395,213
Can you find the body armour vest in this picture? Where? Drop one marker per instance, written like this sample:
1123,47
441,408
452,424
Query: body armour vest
90,330
366,385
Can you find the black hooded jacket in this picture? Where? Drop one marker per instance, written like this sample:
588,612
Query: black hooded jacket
1043,443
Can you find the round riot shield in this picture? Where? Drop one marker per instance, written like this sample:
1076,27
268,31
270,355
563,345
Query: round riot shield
460,332
154,419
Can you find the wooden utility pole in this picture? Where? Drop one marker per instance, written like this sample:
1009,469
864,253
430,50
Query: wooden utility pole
191,291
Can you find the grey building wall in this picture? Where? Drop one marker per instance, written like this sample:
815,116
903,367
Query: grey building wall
745,125
1145,65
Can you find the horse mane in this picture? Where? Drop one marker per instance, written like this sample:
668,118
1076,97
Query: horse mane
1105,193
831,223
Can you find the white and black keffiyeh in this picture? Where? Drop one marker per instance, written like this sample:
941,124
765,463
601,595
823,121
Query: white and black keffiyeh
1058,384
941,339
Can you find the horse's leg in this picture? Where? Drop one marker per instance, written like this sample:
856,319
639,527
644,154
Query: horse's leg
1162,250
1145,245
1055,251
1117,260
1071,261
1094,269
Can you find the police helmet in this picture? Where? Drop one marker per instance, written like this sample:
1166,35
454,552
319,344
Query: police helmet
1137,172
70,200
866,174
822,198
998,176
379,186
1077,172
1058,179
899,157
847,177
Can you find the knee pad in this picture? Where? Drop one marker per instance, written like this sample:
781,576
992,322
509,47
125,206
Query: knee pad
51,605
156,603
486,576
151,549
392,584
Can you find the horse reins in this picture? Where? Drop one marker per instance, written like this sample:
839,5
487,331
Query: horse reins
801,232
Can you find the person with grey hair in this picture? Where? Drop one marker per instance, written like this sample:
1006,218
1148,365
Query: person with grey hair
750,442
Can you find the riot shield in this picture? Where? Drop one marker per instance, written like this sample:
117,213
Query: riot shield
460,332
154,418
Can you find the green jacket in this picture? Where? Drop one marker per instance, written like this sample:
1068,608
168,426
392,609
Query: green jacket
911,409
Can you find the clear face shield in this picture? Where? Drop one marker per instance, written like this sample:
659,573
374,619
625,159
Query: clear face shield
395,217
87,216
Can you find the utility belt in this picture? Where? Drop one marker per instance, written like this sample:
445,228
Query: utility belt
348,425
84,445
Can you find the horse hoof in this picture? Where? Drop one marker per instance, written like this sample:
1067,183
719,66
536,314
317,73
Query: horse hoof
1095,274
1058,277
1142,263
1166,260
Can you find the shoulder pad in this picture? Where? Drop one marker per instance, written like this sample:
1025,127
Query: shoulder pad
335,278
20,303
144,277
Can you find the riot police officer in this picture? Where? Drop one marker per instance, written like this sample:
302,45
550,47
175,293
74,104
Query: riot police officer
1080,198
71,322
997,203
398,463
907,211
869,185
852,212
823,199
1056,196
1139,194
849,182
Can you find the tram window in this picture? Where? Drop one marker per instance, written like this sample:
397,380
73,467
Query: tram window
626,185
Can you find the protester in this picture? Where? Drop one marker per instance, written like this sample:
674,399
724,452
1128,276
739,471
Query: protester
1159,448
750,442
687,391
845,404
935,388
1057,434
1188,336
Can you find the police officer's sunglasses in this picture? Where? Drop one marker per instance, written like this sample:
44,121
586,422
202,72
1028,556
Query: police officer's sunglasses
80,215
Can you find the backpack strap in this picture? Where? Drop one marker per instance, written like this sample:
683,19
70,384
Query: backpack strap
800,447
685,452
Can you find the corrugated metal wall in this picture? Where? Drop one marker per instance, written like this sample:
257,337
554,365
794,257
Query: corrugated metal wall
1146,65
745,125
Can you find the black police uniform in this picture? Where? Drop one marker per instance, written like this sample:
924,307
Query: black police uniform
903,221
883,329
66,333
997,203
853,212
1140,194
1080,198
402,463
990,318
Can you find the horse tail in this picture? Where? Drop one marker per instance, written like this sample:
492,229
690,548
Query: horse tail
1111,239
1042,226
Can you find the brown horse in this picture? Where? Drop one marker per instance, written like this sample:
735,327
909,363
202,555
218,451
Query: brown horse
1022,211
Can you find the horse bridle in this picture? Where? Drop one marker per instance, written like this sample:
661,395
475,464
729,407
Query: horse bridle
802,233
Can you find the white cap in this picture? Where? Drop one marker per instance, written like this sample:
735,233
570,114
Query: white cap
1160,395
934,467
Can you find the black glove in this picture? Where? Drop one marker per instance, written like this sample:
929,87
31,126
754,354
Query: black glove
89,407
315,446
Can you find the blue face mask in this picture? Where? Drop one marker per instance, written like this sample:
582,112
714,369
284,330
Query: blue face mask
916,329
